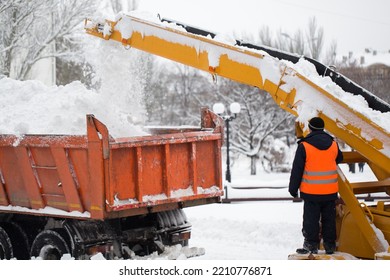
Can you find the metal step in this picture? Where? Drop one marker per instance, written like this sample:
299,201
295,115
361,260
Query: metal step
371,187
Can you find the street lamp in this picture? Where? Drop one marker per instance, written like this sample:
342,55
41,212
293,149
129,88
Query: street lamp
219,109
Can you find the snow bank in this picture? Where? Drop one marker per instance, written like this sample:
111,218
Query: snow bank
175,252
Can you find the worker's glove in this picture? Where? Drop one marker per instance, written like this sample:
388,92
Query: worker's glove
294,194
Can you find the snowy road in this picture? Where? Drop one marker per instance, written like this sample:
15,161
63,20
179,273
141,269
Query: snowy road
261,230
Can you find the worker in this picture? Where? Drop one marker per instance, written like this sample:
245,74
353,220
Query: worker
314,173
361,166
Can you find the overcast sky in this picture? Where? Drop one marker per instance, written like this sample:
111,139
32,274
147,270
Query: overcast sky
354,24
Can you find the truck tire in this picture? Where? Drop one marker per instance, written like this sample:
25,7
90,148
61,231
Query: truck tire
172,223
49,245
6,251
19,240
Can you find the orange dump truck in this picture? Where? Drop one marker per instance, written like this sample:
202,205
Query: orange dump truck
81,195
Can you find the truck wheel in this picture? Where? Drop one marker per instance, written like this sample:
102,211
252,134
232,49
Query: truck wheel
173,224
19,240
49,245
6,251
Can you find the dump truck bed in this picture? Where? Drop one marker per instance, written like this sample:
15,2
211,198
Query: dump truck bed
95,176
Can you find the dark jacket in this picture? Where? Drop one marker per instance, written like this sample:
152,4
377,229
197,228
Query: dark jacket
322,141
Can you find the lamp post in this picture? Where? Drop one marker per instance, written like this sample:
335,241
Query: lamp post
219,109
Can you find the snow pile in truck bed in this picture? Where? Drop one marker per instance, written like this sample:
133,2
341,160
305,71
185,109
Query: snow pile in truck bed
30,107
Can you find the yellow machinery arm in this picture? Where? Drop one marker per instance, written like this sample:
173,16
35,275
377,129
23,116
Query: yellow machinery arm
294,89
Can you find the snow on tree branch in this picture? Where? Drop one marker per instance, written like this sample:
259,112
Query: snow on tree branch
29,30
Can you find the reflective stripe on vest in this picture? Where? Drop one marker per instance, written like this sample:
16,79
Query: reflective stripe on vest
320,174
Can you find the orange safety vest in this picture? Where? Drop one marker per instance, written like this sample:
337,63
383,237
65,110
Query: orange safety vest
320,174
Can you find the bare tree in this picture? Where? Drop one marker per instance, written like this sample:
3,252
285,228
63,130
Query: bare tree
75,66
293,44
299,43
259,118
330,57
315,38
30,28
265,36
123,5
15,17
176,94
309,43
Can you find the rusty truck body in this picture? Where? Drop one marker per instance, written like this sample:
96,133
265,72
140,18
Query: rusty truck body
84,194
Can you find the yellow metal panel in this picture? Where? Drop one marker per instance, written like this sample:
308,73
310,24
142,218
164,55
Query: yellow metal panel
352,234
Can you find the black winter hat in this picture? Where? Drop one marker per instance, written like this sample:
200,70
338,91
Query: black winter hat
316,123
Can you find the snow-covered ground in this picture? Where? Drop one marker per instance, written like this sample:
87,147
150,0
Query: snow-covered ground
246,230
